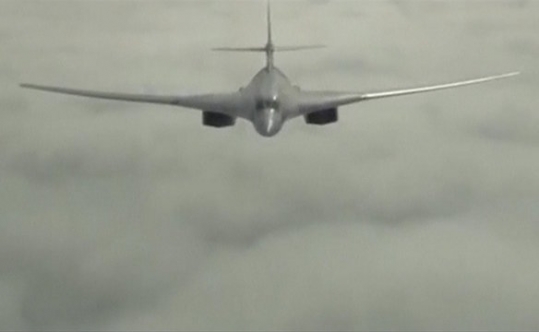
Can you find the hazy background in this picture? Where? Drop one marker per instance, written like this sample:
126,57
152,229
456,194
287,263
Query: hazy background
411,213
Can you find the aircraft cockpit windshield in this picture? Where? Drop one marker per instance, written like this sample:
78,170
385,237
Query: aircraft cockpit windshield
267,103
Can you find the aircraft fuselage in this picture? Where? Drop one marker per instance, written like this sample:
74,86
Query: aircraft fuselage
269,100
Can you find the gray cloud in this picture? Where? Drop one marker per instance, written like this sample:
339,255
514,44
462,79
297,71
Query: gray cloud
413,213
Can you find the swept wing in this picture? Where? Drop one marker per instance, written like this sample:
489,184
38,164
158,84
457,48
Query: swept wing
312,101
225,103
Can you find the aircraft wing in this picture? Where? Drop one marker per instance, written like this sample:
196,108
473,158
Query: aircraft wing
220,103
321,100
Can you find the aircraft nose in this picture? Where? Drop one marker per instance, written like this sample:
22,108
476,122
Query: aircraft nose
270,122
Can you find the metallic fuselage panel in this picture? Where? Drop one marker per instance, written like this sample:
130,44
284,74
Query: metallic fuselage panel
269,101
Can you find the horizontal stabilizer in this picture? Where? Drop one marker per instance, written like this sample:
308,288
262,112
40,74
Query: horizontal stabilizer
264,49
297,48
239,49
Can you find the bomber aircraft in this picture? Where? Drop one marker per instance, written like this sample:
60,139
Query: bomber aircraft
269,99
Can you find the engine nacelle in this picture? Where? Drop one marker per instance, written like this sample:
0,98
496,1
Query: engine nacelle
217,120
323,117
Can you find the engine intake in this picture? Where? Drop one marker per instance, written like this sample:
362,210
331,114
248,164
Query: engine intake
217,120
322,117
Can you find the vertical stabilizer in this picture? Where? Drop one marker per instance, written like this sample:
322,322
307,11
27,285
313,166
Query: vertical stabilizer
268,13
269,48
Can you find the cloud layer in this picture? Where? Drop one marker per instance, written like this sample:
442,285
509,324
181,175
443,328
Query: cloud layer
412,213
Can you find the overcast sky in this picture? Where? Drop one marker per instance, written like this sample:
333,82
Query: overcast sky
418,212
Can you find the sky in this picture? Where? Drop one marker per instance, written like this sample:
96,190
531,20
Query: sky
412,213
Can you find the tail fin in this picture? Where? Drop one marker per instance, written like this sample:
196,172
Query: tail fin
268,21
269,48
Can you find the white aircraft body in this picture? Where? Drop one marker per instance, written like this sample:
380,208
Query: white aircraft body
269,99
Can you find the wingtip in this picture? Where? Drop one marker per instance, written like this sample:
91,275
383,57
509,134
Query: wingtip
505,75
514,73
29,86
